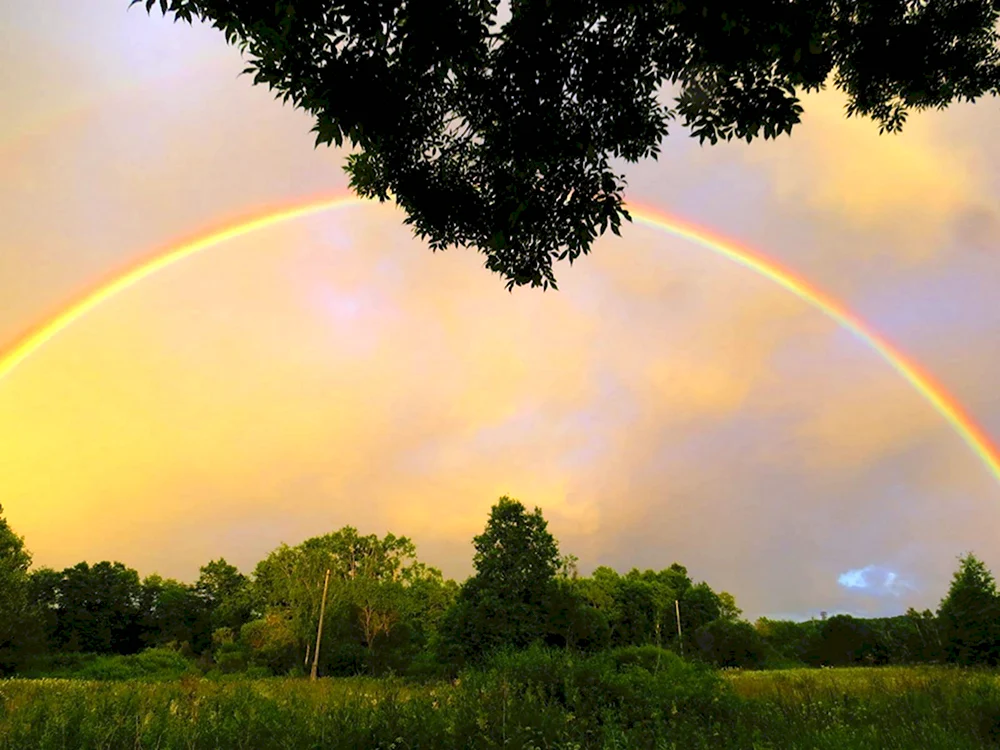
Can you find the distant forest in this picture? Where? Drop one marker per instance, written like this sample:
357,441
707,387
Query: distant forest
385,612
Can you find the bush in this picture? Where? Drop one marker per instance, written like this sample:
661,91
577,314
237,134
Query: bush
650,658
649,693
425,667
230,658
730,644
152,664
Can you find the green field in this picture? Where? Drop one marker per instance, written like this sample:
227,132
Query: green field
523,703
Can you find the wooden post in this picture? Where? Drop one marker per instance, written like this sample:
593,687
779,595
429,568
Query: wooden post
680,639
319,629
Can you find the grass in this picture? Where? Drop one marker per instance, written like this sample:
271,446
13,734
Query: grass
538,700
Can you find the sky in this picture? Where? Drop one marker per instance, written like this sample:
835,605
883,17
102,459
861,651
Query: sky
664,405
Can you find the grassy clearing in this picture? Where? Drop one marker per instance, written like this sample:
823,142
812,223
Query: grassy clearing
887,707
533,701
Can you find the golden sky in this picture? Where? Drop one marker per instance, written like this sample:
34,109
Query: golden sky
664,405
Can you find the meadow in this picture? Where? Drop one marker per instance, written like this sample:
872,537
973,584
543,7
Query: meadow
631,698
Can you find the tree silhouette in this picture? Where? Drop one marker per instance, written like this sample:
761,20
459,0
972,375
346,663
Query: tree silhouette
970,615
500,137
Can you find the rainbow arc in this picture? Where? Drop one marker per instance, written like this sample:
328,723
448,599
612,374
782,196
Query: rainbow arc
934,393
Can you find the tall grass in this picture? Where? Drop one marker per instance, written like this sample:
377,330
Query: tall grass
883,707
635,698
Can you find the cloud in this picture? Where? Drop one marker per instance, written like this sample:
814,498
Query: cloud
908,185
875,580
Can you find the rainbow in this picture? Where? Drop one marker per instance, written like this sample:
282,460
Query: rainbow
935,394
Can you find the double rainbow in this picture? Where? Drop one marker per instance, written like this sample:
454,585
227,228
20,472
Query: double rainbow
945,404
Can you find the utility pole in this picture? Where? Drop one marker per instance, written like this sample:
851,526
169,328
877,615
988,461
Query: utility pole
680,640
319,629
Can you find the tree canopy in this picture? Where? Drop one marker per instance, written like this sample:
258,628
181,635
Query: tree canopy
14,589
506,601
389,613
970,614
501,137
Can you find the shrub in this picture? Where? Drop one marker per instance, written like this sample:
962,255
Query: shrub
649,693
230,658
152,664
725,643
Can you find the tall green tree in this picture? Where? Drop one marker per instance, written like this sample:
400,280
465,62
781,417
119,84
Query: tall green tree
15,610
970,615
502,136
226,594
505,603
174,614
99,609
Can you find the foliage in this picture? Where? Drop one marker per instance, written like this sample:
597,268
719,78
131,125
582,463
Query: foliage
571,622
646,694
172,612
729,643
98,608
790,642
380,597
501,137
389,614
225,593
843,641
16,614
152,664
505,602
970,615
270,642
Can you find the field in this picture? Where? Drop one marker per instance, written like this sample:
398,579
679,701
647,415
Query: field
510,706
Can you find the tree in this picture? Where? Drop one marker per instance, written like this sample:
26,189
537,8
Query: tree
730,643
501,137
727,607
271,642
103,604
173,613
699,606
791,641
635,615
505,602
226,594
15,612
43,590
970,615
99,609
375,585
843,640
924,643
571,622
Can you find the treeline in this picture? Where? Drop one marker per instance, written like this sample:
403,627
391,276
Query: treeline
385,612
